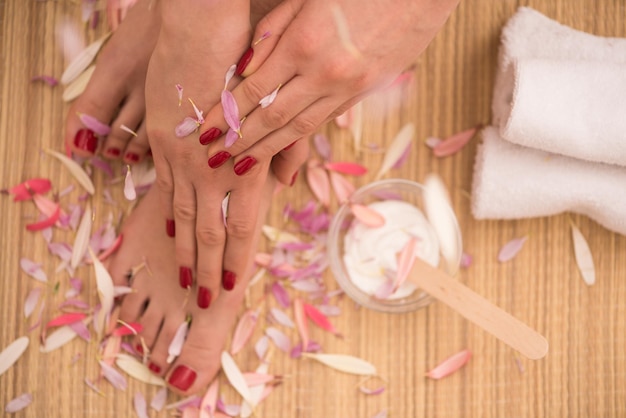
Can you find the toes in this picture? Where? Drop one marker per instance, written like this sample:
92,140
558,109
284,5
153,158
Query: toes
137,146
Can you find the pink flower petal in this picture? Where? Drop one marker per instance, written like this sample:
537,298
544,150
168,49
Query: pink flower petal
31,301
28,188
140,404
405,262
318,181
113,376
18,403
301,322
353,169
48,79
269,99
261,346
33,270
454,143
282,318
45,223
179,91
450,365
199,113
176,345
368,391
367,215
186,127
209,400
159,399
94,124
466,260
279,339
125,329
281,295
341,186
244,330
231,110
65,319
229,75
322,146
403,158
129,186
81,330
511,248
432,142
319,319
225,209
231,137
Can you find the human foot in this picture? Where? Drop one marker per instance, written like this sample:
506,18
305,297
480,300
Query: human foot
161,305
115,93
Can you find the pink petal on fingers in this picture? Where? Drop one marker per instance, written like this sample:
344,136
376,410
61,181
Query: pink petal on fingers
225,209
511,249
450,365
179,91
231,110
199,113
454,143
229,75
94,124
231,137
269,99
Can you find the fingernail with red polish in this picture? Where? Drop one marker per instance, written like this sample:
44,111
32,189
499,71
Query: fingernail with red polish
182,377
139,348
219,159
86,140
184,277
210,136
228,279
293,178
131,156
244,165
244,61
155,369
113,152
170,227
204,297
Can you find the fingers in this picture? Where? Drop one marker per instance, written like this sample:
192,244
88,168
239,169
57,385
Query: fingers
286,164
165,186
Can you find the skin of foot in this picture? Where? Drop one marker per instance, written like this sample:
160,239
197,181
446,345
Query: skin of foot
115,94
161,306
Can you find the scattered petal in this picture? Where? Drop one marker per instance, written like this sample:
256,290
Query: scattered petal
129,187
344,363
367,215
511,248
279,339
176,346
12,353
381,414
19,403
318,181
341,23
209,400
341,186
179,91
113,376
281,294
301,322
199,113
83,60
230,138
66,319
106,291
128,130
450,365
353,169
235,377
94,124
403,158
48,79
137,370
125,329
46,223
432,142
405,262
59,338
158,402
28,188
31,301
466,260
140,404
322,146
186,127
584,259
396,149
282,318
81,242
244,330
454,143
33,270
368,391
319,319
440,215
75,169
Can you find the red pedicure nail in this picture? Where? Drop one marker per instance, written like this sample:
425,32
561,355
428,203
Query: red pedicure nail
131,156
290,145
228,279
113,152
210,136
204,297
244,61
139,348
182,377
170,227
155,369
244,165
86,140
293,178
219,159
184,277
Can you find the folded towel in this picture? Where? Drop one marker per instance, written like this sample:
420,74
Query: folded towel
561,90
512,182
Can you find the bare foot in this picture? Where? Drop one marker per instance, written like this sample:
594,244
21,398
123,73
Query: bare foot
116,92
161,305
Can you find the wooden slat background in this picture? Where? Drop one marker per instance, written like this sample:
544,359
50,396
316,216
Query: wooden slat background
584,374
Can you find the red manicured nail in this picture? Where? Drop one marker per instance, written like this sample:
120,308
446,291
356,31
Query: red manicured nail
86,140
113,152
244,165
131,156
219,159
182,377
155,369
290,145
228,279
244,61
139,348
170,227
184,277
210,136
293,178
204,297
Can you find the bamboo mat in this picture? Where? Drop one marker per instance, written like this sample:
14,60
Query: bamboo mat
584,373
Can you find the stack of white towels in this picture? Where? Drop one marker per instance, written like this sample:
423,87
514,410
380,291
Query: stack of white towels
558,140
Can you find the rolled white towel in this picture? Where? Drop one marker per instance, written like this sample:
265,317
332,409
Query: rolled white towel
561,90
513,182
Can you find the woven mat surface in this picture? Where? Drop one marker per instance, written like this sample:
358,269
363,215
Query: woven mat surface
584,373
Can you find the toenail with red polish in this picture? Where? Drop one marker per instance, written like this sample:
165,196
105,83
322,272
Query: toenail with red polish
185,278
86,140
243,166
228,279
244,61
114,152
154,368
293,178
204,297
170,227
219,159
210,136
182,377
131,156
139,348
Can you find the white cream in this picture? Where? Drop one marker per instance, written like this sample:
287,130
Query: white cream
370,252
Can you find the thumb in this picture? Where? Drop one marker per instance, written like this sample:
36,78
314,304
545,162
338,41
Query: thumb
266,36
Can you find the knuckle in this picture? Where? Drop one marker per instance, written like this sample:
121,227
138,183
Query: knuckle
209,235
240,228
303,125
253,89
184,212
275,117
165,184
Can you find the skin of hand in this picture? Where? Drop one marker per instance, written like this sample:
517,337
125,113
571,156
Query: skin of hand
325,55
197,44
